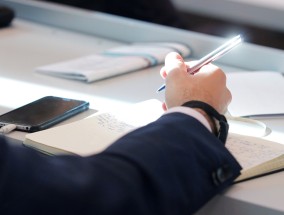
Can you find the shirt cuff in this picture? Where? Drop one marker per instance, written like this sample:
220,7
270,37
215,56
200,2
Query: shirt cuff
191,112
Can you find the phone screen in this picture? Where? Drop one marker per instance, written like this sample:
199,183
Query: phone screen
43,113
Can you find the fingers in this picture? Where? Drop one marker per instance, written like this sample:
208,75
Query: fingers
163,72
164,106
210,68
208,84
229,97
173,61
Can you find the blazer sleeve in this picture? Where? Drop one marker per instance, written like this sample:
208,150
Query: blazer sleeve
171,166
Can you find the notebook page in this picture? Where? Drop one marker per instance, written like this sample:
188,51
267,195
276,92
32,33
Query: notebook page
273,165
93,134
252,151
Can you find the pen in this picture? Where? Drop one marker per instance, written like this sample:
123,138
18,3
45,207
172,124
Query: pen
212,56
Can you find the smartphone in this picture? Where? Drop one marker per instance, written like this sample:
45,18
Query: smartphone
43,113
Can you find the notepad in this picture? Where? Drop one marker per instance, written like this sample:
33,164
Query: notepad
257,156
92,135
115,61
257,94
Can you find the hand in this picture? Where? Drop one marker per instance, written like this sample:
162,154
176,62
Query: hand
208,85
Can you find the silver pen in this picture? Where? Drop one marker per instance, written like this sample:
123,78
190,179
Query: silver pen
212,56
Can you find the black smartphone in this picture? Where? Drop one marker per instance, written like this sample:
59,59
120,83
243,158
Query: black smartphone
43,113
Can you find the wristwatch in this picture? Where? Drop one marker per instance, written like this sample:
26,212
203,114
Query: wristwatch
222,127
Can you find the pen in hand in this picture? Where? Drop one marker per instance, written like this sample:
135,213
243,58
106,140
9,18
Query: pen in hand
212,56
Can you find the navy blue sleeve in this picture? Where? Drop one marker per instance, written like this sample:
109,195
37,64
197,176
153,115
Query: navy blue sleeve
172,166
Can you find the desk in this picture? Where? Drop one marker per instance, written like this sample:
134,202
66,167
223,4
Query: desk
260,13
45,33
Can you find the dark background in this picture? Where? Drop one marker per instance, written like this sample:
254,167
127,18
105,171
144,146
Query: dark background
219,27
163,12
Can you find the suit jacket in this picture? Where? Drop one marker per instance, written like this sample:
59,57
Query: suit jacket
172,166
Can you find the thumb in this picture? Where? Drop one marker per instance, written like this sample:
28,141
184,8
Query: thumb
174,61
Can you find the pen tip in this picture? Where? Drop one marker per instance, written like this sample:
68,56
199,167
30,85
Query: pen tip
161,88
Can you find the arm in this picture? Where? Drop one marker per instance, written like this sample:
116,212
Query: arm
171,166
163,168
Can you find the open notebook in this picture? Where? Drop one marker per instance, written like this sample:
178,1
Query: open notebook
92,135
115,61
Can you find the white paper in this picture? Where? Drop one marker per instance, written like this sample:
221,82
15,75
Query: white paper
113,62
256,93
94,67
95,133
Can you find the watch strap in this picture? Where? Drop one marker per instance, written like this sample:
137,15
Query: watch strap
222,131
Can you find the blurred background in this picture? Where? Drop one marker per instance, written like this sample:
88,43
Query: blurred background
259,21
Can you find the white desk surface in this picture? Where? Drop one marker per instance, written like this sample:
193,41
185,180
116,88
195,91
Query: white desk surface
260,13
26,45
